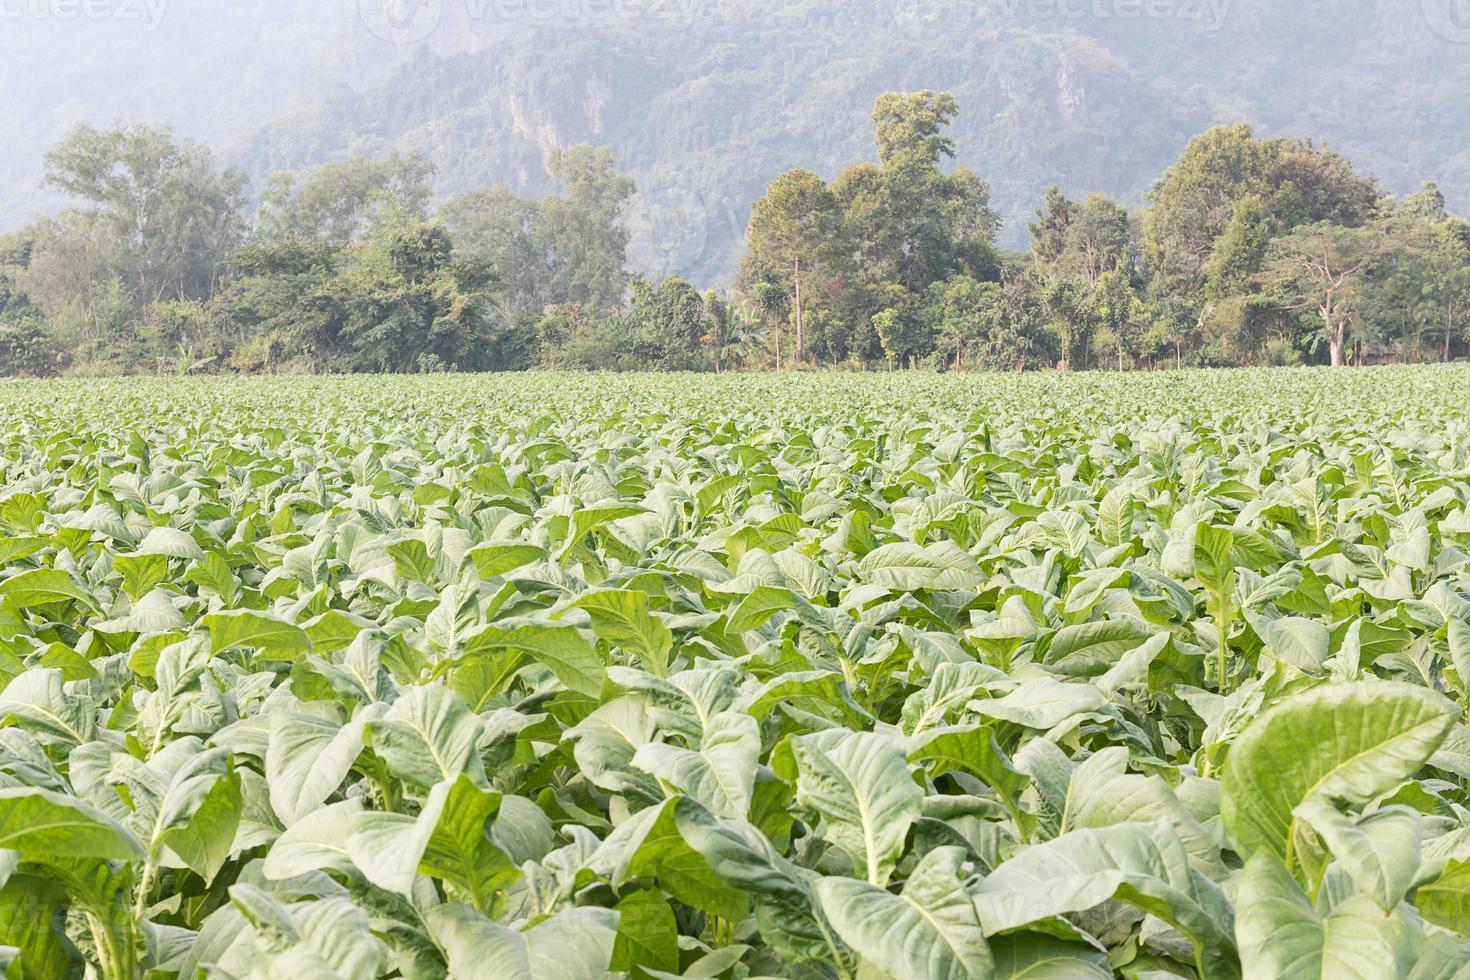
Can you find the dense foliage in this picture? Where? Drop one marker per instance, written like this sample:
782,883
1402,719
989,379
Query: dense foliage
1251,251
904,675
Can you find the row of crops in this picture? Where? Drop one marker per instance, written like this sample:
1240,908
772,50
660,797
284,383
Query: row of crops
853,677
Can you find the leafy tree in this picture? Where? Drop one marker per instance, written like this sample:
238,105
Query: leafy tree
904,328
1069,316
184,336
581,230
959,309
796,239
15,258
28,349
1118,317
410,306
1229,190
1422,292
399,300
911,223
503,230
996,326
340,201
1049,230
168,218
574,336
665,328
566,248
1240,249
1085,240
1322,270
736,332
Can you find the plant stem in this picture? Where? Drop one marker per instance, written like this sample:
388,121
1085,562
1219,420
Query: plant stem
1222,627
140,894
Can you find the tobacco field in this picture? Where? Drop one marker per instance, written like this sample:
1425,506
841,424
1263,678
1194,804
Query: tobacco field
815,676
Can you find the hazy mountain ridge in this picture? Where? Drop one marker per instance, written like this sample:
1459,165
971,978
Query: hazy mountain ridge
705,103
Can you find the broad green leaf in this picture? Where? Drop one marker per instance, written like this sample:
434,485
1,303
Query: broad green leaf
860,784
1344,742
622,618
907,567
274,638
649,844
1281,935
1042,702
1303,643
786,908
560,648
43,586
449,839
1445,901
316,842
494,558
648,936
171,543
428,736
929,930
42,824
970,748
576,944
39,703
32,923
1033,956
720,775
1140,864
306,760
1379,851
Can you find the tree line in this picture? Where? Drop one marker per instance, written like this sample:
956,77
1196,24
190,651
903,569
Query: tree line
1248,251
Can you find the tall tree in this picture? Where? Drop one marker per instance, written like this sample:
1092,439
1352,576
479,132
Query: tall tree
340,201
1232,191
171,216
1083,240
581,230
1322,270
567,248
910,222
795,239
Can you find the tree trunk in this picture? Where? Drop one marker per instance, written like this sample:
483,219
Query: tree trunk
1336,337
799,348
1448,319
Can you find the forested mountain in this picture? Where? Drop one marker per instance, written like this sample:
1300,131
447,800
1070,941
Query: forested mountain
704,103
